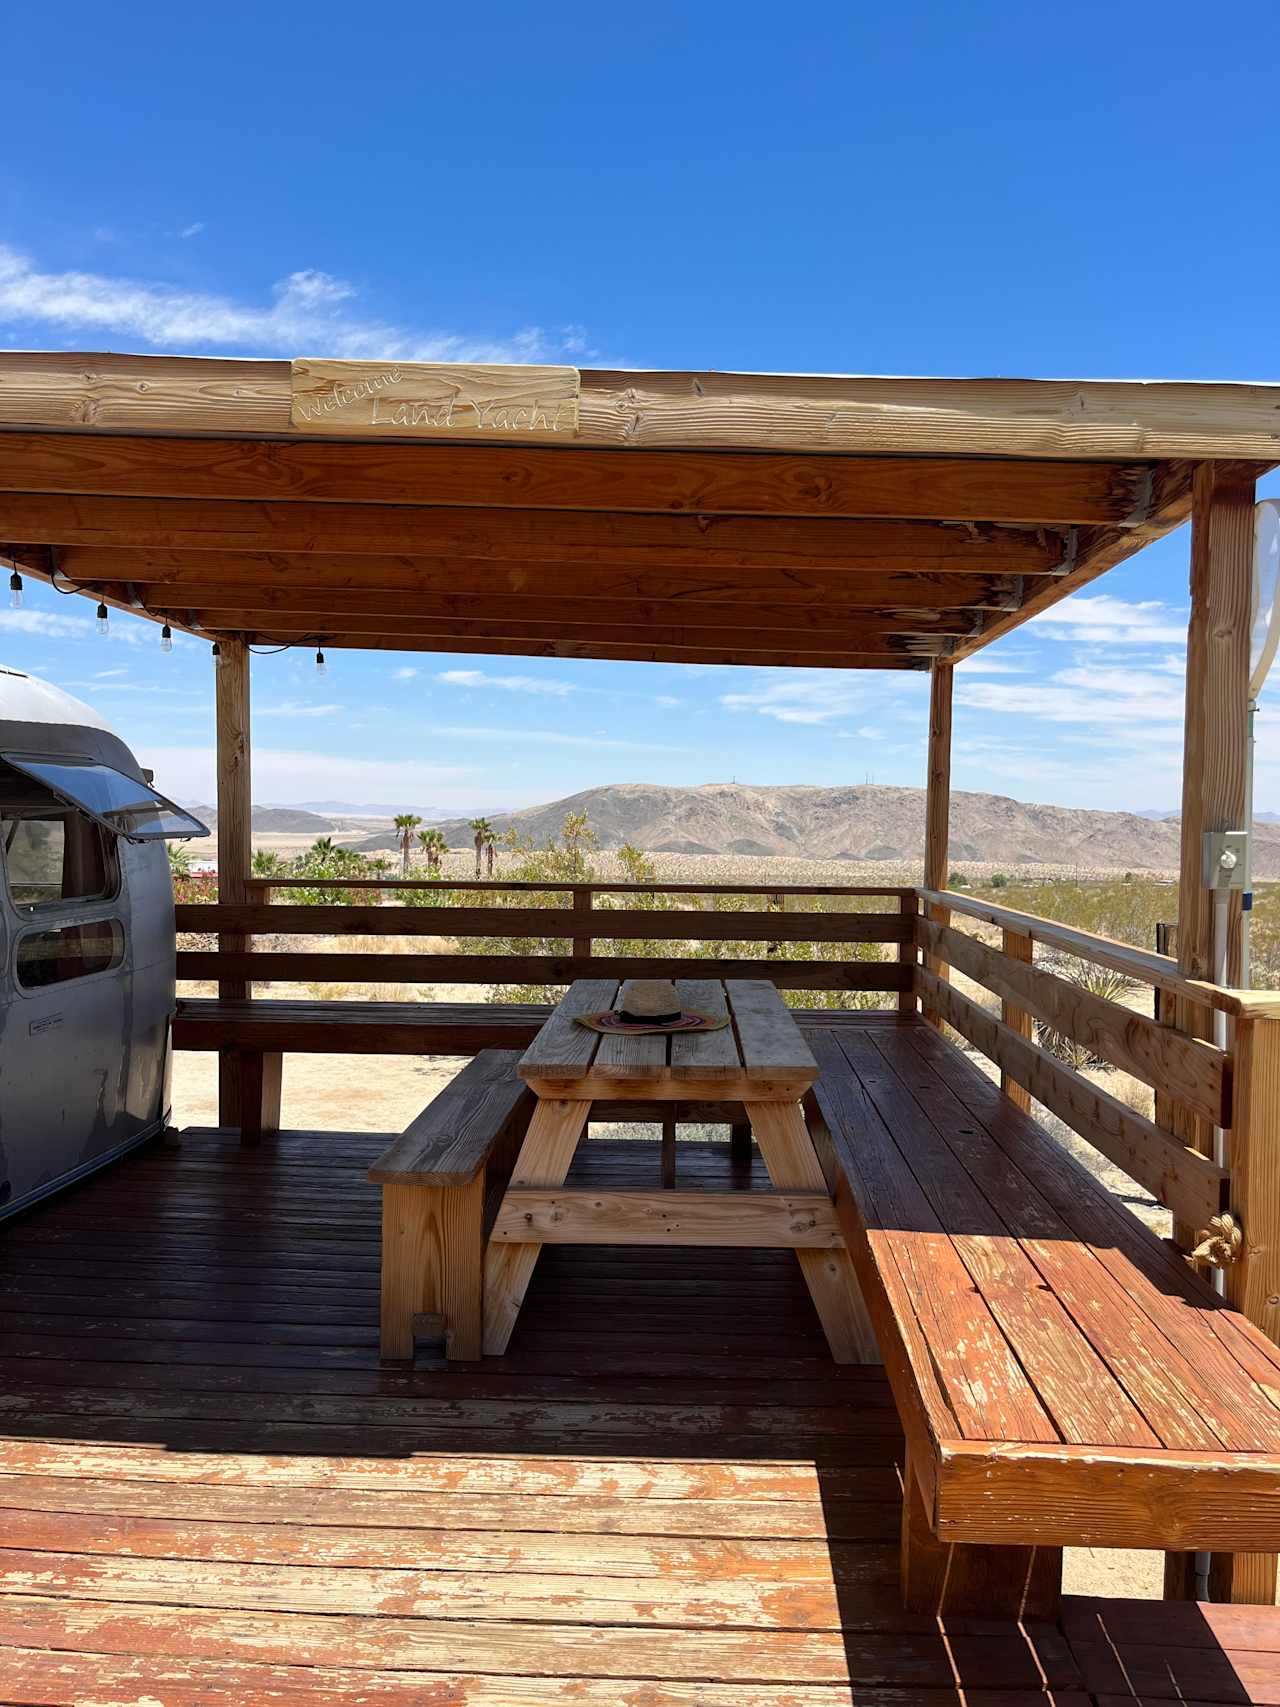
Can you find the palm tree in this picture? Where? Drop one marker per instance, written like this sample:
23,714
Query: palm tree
434,846
406,823
485,836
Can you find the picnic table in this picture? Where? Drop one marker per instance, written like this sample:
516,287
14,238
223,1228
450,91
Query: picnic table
759,1064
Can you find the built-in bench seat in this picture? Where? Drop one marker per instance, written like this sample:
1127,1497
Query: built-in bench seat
441,1181
254,1035
1063,1377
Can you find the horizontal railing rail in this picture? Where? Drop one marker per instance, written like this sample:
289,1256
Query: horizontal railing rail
569,939
1157,970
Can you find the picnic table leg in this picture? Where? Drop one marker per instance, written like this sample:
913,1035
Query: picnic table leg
948,1577
544,1160
792,1161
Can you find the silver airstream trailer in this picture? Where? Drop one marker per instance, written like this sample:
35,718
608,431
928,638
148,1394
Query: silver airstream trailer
86,943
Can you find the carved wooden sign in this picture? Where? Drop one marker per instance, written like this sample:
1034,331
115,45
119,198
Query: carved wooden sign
428,400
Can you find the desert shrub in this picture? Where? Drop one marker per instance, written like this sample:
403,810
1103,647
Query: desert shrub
200,887
998,880
179,859
957,880
1098,981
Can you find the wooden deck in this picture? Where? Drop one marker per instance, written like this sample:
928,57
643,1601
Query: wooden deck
664,1495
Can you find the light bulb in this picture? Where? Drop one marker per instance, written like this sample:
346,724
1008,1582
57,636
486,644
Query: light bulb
216,654
166,638
102,619
322,669
15,591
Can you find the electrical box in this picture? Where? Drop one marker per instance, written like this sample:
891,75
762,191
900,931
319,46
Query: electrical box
1226,859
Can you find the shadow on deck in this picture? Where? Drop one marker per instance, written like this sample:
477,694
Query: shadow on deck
664,1495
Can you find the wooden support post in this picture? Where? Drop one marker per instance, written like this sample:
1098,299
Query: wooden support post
1215,797
582,944
941,1577
908,953
235,838
259,1076
1216,733
937,806
1017,947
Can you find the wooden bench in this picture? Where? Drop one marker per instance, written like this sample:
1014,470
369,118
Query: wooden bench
253,1036
1062,1376
441,1181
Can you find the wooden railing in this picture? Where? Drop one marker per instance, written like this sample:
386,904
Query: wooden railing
1236,1089
581,925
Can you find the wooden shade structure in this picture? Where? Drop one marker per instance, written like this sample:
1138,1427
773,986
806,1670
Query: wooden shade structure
692,518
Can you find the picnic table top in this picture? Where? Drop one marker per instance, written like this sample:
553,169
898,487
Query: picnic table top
761,1053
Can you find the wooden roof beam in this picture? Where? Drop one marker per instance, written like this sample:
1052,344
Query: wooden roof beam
858,414
534,477
834,637
562,536
286,603
634,652
244,575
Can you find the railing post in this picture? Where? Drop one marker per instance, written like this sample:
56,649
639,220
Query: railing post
1018,947
908,951
937,809
582,942
1253,1283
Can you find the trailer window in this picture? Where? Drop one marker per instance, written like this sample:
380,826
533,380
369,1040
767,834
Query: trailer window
57,857
63,952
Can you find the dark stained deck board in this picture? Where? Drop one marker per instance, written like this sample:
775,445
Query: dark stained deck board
665,1494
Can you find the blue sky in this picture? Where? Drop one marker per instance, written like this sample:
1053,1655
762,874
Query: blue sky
1082,191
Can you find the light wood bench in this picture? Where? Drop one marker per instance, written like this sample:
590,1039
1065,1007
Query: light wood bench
441,1180
254,1035
1063,1378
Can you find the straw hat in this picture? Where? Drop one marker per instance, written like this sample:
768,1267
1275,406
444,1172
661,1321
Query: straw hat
649,1001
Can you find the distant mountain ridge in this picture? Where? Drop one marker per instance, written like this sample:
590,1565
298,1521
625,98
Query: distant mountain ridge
863,822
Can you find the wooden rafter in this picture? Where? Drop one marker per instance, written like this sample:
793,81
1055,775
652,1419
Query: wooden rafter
523,477
561,536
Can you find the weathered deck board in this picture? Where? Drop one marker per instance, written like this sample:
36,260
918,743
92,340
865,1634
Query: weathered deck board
665,1493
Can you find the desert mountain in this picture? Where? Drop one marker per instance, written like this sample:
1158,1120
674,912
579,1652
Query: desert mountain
865,822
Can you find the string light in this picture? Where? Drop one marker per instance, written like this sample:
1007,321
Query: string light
102,619
166,638
216,655
322,669
15,591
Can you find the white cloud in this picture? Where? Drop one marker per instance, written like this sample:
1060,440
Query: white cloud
507,684
547,737
103,675
1102,620
55,626
804,696
297,708
192,230
1144,701
307,310
666,700
404,674
286,776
